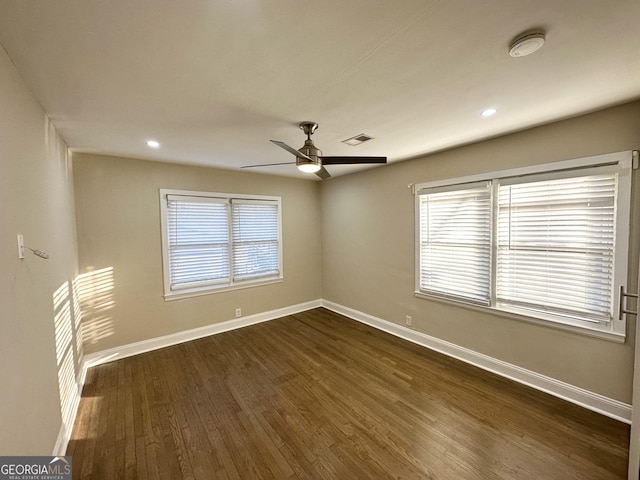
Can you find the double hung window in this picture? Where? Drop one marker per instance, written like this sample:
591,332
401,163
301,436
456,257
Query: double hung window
215,241
547,243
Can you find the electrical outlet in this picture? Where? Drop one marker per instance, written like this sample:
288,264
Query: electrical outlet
238,312
407,321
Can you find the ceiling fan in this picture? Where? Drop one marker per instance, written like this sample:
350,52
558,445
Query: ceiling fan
309,159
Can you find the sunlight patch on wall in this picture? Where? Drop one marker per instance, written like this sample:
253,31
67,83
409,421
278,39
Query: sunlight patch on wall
95,293
77,316
67,353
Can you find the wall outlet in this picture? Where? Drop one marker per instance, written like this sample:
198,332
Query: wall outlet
238,312
408,320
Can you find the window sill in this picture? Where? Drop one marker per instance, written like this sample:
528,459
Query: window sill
579,329
197,292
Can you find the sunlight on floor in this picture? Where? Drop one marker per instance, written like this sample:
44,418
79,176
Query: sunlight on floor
91,404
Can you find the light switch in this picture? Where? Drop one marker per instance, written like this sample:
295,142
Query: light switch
20,246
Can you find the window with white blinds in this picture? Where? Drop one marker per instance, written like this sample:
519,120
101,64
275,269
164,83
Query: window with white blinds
198,241
546,244
556,243
219,241
256,239
455,241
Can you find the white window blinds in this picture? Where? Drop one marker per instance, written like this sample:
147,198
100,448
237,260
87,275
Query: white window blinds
556,243
219,241
544,243
198,241
455,241
255,239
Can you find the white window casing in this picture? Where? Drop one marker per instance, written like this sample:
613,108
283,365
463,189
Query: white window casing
215,242
551,246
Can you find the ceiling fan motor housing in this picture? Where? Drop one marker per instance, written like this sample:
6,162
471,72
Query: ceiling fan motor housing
310,150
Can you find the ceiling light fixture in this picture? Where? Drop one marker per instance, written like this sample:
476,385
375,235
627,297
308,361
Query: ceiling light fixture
488,112
309,167
526,44
153,144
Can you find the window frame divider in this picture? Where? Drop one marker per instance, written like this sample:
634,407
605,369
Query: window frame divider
494,244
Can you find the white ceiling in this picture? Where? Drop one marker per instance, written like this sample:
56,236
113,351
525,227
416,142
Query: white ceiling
214,80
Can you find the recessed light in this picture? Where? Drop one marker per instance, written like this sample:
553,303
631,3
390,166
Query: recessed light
488,112
153,144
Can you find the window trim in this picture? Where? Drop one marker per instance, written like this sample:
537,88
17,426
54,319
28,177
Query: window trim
614,330
208,289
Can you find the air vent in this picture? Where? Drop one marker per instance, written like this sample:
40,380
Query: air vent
357,140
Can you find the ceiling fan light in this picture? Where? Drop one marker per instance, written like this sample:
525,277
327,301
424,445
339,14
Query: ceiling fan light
308,167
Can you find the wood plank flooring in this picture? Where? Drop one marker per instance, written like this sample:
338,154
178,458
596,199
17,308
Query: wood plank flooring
318,396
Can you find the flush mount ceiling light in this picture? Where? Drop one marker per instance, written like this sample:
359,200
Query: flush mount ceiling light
526,44
488,112
153,144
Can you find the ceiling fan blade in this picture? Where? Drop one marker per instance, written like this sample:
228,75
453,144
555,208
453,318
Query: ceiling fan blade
323,174
291,149
352,160
267,164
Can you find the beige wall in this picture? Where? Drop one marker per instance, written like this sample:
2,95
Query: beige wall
36,200
368,250
118,215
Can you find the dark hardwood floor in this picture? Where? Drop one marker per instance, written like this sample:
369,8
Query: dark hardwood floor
316,395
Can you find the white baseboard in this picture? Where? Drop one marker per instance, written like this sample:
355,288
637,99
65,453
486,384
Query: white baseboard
60,448
593,401
64,435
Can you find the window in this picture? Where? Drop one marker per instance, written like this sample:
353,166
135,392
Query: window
455,241
547,243
214,241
